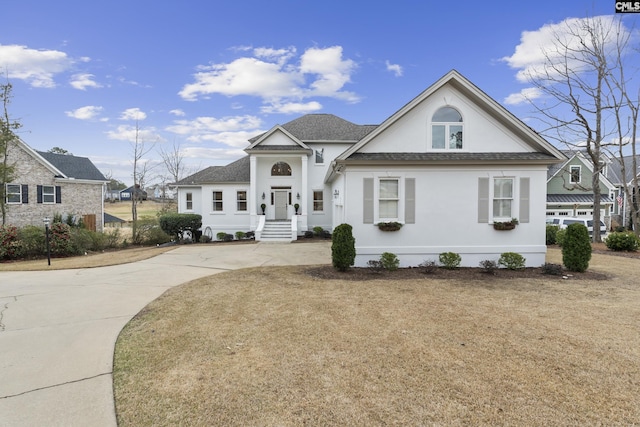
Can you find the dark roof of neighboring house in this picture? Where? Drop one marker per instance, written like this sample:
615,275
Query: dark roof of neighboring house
237,171
576,198
455,157
615,169
110,218
325,127
73,166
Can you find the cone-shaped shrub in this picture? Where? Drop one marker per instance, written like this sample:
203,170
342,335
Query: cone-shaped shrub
576,248
343,247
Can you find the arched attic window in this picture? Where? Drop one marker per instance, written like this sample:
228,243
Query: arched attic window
281,169
446,129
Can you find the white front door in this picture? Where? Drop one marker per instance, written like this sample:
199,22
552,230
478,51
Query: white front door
280,200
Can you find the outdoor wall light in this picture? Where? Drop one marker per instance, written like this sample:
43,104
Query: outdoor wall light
336,193
263,196
298,196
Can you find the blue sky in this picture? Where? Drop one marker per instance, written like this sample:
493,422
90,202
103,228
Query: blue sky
209,75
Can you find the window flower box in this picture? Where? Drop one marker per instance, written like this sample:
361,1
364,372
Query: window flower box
506,225
389,226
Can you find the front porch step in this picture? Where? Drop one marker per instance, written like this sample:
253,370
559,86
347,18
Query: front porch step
276,231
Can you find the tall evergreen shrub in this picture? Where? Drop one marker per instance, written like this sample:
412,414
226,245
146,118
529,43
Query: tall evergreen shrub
576,248
343,247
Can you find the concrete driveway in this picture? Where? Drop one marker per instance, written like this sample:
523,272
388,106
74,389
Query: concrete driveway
58,328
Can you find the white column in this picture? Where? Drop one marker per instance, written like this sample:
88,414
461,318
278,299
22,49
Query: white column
252,203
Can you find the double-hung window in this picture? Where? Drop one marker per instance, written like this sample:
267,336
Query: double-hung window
502,198
318,201
189,201
574,174
241,197
388,199
14,193
446,129
48,194
217,201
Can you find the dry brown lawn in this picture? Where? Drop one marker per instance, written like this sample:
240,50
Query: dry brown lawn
96,259
279,347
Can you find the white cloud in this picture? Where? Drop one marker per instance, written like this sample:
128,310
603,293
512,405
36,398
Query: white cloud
89,112
232,131
525,95
83,81
292,108
272,75
178,112
395,69
36,67
128,133
537,48
133,114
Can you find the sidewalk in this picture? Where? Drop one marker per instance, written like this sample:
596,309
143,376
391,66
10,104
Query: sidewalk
58,328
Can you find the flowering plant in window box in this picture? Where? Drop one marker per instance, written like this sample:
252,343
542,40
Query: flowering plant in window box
506,225
389,226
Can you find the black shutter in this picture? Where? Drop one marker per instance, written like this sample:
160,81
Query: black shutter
58,194
25,193
39,189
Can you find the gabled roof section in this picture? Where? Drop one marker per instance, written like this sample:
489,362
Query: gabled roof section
73,166
477,96
259,144
238,171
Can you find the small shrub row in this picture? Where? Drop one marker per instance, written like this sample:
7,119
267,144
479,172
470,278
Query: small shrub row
622,241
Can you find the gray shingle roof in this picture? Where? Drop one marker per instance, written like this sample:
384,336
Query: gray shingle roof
325,127
454,157
74,166
237,171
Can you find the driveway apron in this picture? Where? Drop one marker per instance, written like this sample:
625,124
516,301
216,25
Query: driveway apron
58,328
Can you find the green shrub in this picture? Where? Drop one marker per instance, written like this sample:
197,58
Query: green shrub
561,234
221,235
576,248
343,247
10,245
33,240
317,230
389,261
552,233
512,260
489,266
205,239
112,238
60,240
622,241
240,235
175,224
450,260
81,240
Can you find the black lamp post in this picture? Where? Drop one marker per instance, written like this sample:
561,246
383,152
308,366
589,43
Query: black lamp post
46,228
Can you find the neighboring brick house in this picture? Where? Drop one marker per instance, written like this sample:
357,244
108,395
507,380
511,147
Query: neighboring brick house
46,184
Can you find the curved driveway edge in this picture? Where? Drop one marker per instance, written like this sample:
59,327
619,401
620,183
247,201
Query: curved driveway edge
58,328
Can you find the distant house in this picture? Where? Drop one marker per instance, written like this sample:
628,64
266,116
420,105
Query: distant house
443,173
161,191
570,189
47,184
128,193
622,209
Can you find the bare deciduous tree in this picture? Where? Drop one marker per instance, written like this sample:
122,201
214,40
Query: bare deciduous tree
574,77
140,169
7,137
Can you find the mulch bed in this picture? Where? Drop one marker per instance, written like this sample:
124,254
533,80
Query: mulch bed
463,273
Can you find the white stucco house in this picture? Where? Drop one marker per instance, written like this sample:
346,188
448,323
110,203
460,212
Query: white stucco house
447,165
